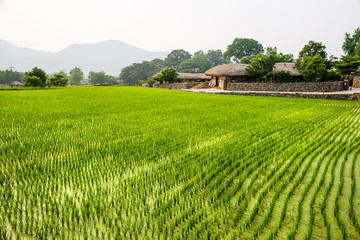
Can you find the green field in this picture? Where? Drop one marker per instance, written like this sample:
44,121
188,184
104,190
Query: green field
141,163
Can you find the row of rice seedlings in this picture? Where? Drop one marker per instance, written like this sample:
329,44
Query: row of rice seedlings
278,164
312,201
261,195
231,169
227,207
310,155
284,172
352,214
227,181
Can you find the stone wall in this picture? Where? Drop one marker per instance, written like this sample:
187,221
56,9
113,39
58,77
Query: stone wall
288,87
175,85
356,82
350,97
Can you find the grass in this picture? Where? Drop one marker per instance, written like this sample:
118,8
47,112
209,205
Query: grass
140,163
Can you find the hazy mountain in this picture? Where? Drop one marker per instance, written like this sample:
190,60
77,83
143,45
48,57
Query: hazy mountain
109,56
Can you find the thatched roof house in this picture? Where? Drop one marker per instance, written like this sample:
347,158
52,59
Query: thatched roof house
231,69
191,77
222,75
16,83
286,67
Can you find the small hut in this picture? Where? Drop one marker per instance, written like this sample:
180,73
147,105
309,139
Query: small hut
16,83
191,77
288,67
221,75
194,77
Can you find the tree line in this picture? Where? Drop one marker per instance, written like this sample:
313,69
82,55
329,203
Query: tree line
313,63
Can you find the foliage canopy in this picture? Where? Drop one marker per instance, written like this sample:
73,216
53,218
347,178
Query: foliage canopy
241,47
34,82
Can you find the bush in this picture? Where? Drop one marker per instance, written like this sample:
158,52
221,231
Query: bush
167,75
37,72
33,81
282,77
58,80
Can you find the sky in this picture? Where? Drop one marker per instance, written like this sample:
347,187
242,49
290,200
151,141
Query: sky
164,25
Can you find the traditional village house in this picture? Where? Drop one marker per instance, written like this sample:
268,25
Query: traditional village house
192,77
223,75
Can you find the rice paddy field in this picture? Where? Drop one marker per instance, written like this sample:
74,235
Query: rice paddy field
140,163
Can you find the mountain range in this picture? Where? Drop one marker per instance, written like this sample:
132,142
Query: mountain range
108,56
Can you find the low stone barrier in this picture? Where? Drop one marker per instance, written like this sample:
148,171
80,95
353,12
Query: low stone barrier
356,82
175,85
350,97
288,87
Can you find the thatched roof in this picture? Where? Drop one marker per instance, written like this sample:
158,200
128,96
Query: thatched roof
239,69
16,83
190,76
193,76
231,69
286,67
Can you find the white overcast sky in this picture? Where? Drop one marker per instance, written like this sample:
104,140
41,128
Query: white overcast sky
164,25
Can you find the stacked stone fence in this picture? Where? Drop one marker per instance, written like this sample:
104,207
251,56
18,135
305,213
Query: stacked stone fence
350,97
356,82
175,85
288,87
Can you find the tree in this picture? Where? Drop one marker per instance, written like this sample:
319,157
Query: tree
351,42
32,81
131,75
313,48
263,63
316,58
101,78
216,57
282,77
315,69
176,57
59,79
348,64
9,75
35,72
199,63
76,75
241,47
247,59
357,49
169,75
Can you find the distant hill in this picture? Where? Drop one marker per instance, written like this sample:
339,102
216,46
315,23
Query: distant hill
109,56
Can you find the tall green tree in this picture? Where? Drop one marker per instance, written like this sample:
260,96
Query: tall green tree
169,75
241,47
9,75
348,64
316,69
263,63
35,72
176,57
76,75
199,63
351,42
59,79
101,78
131,75
313,48
216,57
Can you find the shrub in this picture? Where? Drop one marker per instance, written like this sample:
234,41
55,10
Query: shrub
167,75
59,79
33,81
282,77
